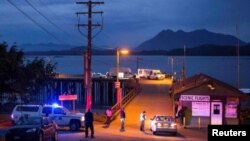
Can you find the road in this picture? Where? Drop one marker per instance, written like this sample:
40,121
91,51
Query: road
154,99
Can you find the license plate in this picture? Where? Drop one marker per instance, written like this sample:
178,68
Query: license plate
16,137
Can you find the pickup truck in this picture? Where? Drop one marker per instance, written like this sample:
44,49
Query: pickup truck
61,116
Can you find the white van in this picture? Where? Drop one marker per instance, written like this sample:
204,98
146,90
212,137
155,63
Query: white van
124,72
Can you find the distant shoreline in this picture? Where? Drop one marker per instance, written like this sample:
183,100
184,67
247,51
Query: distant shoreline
204,50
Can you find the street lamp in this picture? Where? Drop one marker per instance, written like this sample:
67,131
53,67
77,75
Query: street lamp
117,83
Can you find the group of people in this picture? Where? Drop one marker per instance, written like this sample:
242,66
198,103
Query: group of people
89,118
123,117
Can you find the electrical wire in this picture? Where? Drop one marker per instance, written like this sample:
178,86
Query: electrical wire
56,15
35,22
33,7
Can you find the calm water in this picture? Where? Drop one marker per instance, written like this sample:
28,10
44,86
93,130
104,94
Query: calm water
221,68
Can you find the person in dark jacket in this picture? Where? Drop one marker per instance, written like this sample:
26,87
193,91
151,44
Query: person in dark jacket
122,117
89,118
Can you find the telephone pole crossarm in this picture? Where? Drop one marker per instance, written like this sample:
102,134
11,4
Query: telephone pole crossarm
95,25
89,2
98,12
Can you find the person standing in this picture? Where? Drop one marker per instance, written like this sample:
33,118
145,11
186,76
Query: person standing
108,116
142,120
122,117
89,118
180,116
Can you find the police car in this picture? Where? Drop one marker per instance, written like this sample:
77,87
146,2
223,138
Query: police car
61,116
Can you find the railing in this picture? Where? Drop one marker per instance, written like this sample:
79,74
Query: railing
116,108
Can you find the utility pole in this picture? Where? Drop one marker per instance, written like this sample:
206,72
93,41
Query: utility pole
184,66
238,58
88,53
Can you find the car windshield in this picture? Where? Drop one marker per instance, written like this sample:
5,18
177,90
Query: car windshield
29,121
164,118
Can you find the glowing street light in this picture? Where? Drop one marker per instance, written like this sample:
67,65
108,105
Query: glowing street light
117,83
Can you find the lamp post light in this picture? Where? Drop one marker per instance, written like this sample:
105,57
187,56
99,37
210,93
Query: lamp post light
117,83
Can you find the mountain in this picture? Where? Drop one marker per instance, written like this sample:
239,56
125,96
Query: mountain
168,40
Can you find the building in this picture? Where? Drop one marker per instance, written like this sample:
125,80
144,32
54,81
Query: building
207,101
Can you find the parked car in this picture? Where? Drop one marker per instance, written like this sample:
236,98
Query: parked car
98,75
33,129
164,124
62,116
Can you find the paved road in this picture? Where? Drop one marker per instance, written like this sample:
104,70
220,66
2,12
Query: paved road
154,99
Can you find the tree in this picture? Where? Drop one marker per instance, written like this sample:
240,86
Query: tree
19,77
38,74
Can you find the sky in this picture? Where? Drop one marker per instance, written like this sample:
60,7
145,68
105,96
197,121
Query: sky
125,22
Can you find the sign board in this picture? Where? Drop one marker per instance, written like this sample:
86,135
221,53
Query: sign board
231,110
67,97
231,107
117,84
119,95
195,98
201,109
121,75
216,113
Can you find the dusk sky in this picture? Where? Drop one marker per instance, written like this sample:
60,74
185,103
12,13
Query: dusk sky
126,22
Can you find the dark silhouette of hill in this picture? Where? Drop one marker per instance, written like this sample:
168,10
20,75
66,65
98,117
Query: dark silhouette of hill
213,50
168,40
203,50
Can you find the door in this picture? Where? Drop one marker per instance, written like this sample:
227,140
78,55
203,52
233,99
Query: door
216,113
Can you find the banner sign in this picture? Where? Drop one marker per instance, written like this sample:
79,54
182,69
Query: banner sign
195,98
67,97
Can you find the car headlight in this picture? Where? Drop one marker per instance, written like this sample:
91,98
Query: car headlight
31,130
82,118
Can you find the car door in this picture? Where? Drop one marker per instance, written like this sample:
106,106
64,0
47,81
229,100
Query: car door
59,115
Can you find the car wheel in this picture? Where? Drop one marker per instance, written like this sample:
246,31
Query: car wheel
174,134
74,126
55,138
154,133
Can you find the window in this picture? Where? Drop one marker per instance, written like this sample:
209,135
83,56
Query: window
27,108
47,110
59,111
216,109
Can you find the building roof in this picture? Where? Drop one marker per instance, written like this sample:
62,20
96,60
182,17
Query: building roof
201,79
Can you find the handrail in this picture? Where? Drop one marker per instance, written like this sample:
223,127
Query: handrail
125,100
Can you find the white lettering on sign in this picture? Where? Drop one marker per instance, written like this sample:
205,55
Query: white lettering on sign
195,98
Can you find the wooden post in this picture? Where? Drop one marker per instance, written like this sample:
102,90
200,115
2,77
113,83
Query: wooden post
199,122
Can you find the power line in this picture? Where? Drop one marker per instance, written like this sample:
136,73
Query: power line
56,15
35,22
47,7
45,17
